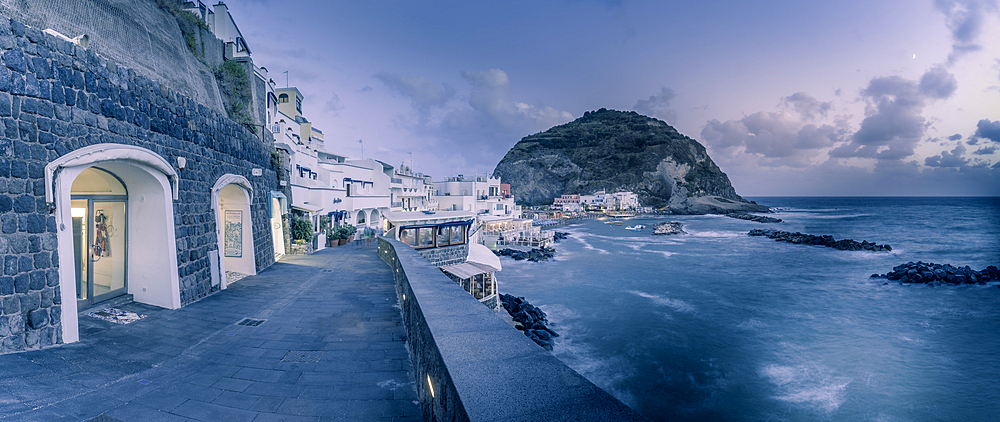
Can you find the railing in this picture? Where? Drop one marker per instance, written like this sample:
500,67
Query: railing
467,361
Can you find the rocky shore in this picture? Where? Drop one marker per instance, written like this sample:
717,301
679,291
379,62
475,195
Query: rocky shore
753,217
557,236
825,240
668,227
534,255
937,274
531,320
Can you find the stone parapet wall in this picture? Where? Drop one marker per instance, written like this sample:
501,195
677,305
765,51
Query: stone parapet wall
470,365
447,255
56,97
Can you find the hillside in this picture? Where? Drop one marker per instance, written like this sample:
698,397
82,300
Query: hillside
620,151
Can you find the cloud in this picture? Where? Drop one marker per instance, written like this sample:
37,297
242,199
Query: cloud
955,137
988,129
333,104
948,159
492,108
366,89
807,106
776,138
893,122
965,19
422,92
658,105
990,150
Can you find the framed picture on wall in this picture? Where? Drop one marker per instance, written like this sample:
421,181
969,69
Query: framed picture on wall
234,234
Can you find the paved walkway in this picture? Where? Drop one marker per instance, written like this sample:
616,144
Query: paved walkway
331,347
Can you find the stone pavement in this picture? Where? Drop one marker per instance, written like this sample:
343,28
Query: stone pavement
331,347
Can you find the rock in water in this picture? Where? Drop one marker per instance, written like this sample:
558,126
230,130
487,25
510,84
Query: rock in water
668,227
620,151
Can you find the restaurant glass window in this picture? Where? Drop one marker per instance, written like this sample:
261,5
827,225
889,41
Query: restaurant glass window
408,236
457,235
425,237
443,235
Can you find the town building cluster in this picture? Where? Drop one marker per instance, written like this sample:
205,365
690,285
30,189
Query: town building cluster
600,201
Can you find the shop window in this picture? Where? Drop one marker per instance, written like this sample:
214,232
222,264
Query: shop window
425,237
457,235
408,236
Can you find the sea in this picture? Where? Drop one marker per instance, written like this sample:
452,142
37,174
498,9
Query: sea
720,326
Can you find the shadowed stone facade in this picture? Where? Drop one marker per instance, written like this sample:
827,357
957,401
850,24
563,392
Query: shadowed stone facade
55,98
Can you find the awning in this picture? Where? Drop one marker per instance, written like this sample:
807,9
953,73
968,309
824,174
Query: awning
466,269
284,204
480,254
305,208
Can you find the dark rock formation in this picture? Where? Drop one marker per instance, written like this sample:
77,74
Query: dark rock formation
620,151
825,240
531,320
668,227
557,236
534,255
936,274
753,217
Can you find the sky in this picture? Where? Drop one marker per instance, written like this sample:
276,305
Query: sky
789,97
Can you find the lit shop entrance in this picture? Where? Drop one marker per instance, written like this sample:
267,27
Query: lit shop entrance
98,200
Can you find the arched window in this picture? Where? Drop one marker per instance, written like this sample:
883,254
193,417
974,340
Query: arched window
283,98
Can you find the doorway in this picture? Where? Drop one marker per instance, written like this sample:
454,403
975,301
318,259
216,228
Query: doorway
99,201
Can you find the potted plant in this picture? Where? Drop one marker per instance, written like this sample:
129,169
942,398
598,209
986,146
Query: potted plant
350,232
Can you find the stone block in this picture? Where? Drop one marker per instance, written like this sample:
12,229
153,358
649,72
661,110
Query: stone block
8,223
6,286
11,305
25,263
6,204
37,278
30,301
14,59
55,315
13,343
38,318
24,203
31,339
5,104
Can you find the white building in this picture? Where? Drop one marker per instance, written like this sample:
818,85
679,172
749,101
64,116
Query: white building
481,195
411,191
567,203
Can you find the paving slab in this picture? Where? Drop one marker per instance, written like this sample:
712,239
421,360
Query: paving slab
330,347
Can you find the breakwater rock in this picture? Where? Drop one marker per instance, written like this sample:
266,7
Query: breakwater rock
557,236
668,227
825,240
753,217
926,272
531,319
534,255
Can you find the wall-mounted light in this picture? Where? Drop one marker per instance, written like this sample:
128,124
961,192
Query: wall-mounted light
430,385
257,172
181,162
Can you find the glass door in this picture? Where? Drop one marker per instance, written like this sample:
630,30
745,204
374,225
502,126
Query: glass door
99,236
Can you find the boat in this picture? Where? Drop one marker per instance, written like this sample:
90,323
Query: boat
636,227
618,222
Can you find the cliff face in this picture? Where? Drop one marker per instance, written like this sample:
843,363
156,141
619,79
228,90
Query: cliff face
620,151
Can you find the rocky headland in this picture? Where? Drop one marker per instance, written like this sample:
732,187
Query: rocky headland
620,151
824,240
753,217
534,255
936,274
668,227
531,320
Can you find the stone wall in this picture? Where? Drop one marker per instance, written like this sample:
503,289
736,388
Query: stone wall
56,97
469,365
447,255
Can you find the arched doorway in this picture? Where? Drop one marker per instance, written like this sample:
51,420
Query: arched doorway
139,233
361,217
231,198
373,221
100,231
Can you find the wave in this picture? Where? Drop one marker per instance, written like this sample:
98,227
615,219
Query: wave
588,246
808,384
675,304
716,233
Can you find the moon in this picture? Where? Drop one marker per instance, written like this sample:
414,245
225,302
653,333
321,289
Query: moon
914,55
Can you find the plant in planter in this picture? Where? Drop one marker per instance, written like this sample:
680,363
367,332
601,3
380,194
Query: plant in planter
301,229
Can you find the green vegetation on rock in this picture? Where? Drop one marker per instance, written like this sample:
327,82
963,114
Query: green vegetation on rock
234,85
619,151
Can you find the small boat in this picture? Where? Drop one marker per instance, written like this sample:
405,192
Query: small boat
618,222
636,227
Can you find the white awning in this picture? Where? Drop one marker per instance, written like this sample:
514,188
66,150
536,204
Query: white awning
305,208
480,254
466,269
